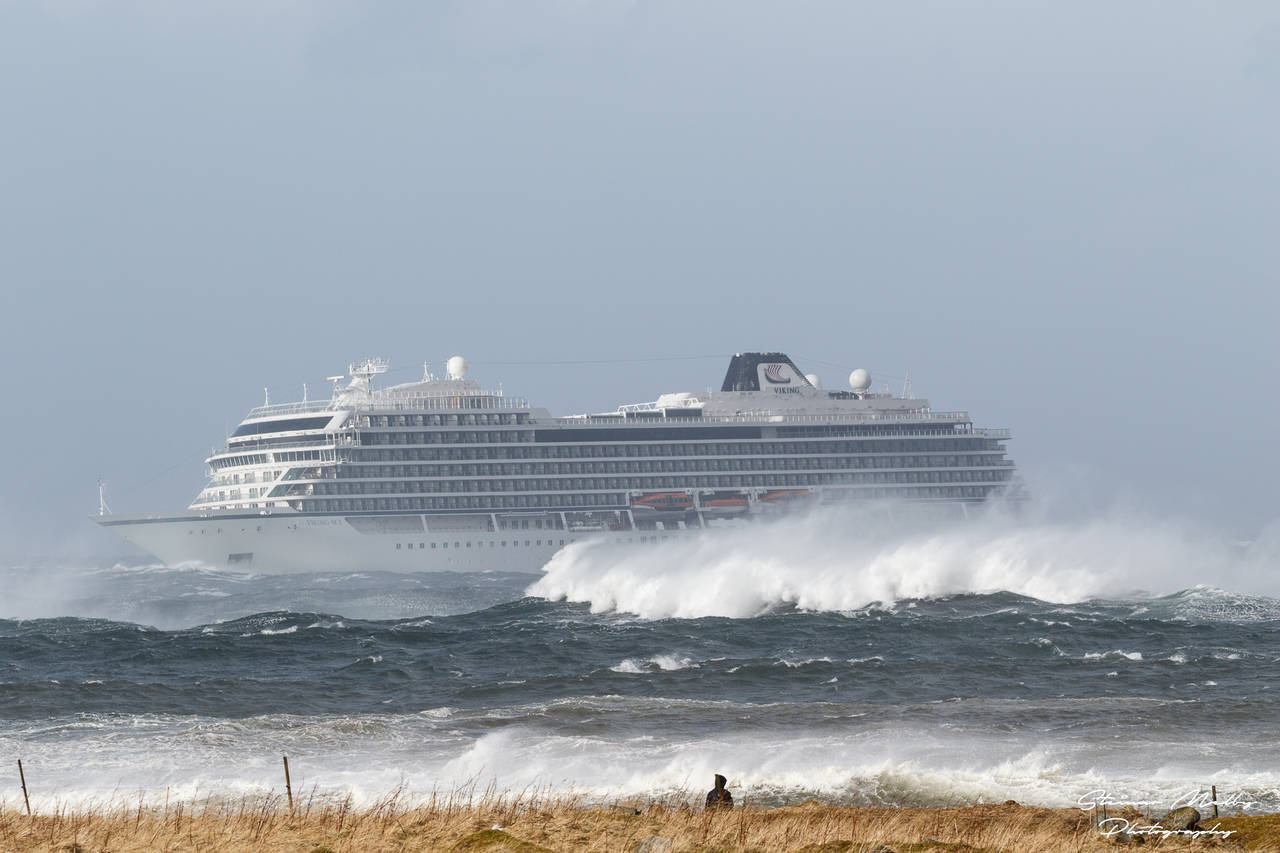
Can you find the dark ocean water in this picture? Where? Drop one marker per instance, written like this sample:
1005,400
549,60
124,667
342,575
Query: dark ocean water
196,682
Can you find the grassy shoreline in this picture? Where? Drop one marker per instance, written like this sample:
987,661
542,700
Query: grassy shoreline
537,824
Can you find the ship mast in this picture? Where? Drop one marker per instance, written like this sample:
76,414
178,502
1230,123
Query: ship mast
103,509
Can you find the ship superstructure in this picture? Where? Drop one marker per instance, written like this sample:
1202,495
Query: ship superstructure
442,474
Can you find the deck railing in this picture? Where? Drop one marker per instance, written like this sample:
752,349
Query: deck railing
475,402
772,418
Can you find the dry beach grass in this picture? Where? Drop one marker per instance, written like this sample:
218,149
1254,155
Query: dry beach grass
529,824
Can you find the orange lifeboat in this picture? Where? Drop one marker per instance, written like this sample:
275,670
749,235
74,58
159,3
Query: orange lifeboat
663,502
787,497
722,504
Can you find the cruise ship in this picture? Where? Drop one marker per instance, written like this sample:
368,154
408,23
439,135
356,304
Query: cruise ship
444,475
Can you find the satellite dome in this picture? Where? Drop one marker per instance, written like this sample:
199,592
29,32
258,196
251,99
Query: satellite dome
860,380
812,379
457,367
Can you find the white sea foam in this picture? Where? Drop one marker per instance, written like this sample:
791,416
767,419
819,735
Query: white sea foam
439,713
845,559
206,593
1045,643
1207,602
796,664
371,755
629,666
1113,655
665,663
292,629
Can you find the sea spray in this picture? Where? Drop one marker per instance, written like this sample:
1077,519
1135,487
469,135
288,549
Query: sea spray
844,559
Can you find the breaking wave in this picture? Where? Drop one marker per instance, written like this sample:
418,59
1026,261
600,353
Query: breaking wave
844,559
894,763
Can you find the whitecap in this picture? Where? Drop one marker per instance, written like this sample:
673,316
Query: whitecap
665,663
1112,655
796,664
441,713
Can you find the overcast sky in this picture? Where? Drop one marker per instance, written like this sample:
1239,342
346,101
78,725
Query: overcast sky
1059,216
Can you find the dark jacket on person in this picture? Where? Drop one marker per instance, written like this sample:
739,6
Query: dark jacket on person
719,796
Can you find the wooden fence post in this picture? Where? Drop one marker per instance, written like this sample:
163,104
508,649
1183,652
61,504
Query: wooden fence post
288,786
23,777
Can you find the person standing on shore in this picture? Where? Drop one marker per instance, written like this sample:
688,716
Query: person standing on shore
719,796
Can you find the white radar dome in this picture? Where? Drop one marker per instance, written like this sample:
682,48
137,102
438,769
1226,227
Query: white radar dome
457,367
860,380
812,379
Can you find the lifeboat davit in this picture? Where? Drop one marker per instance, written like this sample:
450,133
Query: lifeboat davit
663,502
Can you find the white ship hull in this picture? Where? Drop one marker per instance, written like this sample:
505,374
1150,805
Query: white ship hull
294,543
283,544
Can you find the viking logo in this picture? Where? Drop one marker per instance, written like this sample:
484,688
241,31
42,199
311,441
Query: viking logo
773,374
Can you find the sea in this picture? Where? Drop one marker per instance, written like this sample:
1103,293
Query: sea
839,658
